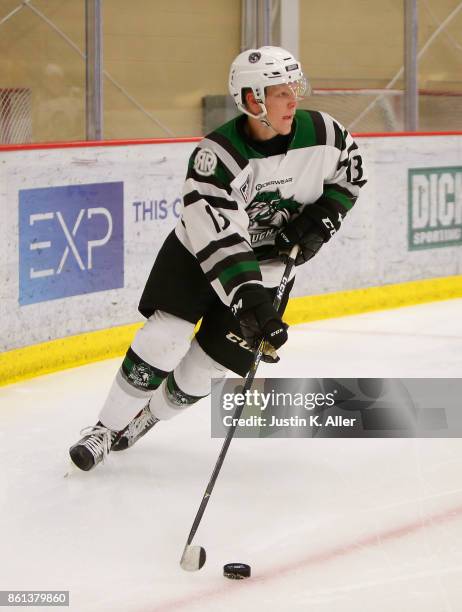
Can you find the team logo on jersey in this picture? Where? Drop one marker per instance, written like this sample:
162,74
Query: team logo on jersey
254,57
205,162
268,213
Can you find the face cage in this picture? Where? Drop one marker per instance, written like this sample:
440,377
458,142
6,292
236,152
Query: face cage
300,88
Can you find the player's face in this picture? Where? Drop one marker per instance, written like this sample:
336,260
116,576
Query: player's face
281,103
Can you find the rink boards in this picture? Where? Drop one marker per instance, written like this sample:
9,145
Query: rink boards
82,223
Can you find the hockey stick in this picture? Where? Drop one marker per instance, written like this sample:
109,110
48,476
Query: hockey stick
193,557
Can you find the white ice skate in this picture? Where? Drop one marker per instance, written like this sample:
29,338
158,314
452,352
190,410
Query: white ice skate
136,429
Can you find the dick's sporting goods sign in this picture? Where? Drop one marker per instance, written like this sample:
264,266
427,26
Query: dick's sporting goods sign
435,207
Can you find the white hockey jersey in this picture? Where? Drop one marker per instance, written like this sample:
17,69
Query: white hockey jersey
236,199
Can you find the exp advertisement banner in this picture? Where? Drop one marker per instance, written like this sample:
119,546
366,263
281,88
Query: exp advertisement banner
338,408
71,241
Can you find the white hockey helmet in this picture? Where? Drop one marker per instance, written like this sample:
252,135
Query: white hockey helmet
259,68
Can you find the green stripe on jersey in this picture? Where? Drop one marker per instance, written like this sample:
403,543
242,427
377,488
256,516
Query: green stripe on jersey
305,132
236,269
229,131
343,199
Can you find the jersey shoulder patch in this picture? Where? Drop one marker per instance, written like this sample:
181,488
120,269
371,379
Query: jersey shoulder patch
205,162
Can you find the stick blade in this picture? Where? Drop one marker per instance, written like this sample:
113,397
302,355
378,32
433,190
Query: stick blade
193,558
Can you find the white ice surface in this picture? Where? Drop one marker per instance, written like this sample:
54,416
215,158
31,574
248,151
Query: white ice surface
328,525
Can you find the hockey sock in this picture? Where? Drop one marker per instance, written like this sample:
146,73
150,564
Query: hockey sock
178,397
130,392
187,384
172,400
156,350
140,374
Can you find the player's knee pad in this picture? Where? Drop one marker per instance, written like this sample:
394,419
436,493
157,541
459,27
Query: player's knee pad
163,340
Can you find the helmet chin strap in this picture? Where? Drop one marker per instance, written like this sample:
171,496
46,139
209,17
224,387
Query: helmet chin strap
262,117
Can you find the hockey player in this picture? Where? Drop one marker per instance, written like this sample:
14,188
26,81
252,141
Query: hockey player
271,178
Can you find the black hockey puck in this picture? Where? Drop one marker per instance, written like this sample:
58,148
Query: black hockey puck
236,571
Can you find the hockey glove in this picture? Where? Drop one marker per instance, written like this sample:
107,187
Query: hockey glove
310,230
327,217
258,319
309,242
